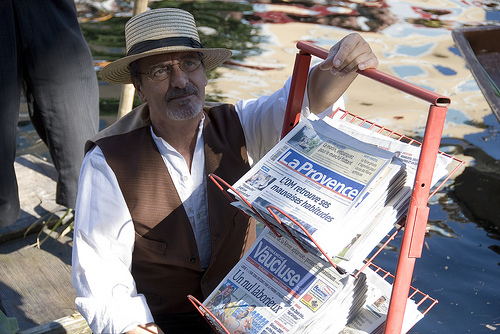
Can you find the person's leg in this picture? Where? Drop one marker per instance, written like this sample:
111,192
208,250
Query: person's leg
10,90
60,86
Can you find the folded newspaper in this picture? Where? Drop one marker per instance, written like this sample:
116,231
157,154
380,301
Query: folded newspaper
276,288
347,187
329,182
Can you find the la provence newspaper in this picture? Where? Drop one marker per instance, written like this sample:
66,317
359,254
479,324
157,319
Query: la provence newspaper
325,180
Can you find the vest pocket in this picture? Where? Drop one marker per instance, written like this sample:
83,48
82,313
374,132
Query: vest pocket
152,245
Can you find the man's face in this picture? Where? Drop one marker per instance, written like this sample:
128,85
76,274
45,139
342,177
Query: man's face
180,96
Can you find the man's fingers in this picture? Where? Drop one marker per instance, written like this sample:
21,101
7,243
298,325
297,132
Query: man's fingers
346,50
361,62
328,63
350,54
372,62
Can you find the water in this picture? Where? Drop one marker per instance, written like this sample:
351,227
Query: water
460,263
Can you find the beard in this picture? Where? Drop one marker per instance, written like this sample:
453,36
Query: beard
186,109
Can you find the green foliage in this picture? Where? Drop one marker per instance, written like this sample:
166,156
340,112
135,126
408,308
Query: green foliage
107,41
231,33
51,225
109,106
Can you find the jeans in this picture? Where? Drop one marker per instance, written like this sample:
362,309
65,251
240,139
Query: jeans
43,53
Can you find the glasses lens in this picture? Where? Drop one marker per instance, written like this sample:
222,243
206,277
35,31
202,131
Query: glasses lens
186,64
160,73
189,64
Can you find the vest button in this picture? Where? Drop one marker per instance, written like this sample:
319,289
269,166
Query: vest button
205,280
192,259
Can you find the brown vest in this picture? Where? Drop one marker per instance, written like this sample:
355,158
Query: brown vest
165,261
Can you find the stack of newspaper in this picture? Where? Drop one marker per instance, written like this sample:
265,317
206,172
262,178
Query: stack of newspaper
331,183
347,187
277,288
372,315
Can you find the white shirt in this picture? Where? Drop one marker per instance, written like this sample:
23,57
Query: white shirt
104,232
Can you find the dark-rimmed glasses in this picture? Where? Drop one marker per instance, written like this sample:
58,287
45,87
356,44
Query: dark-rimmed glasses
161,72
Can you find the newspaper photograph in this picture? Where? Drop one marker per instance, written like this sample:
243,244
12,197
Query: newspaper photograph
316,174
275,288
407,153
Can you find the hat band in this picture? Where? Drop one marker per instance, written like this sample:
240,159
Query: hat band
148,45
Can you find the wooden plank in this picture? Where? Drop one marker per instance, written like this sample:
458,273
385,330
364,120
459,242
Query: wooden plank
36,180
74,324
35,283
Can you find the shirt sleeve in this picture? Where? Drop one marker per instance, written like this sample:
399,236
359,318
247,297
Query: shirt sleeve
262,119
102,252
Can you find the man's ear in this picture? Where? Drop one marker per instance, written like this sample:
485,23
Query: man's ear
138,89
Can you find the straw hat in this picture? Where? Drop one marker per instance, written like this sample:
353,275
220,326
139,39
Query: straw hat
159,31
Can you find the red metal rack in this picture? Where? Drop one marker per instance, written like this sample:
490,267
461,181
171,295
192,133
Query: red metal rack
416,223
414,226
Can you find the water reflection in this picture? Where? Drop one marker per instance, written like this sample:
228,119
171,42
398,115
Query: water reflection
476,191
439,227
352,15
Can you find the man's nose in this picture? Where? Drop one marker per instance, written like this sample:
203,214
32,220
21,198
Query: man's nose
178,78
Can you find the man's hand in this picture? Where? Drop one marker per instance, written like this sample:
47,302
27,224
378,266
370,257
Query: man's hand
150,328
330,79
352,53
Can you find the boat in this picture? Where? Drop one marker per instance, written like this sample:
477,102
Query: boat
480,46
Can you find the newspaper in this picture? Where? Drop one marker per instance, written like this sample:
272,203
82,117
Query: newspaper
277,288
317,175
372,316
378,224
407,153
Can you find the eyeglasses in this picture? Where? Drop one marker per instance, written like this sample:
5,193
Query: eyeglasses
161,72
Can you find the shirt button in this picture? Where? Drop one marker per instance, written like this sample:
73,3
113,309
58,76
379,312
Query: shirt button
192,259
198,216
184,178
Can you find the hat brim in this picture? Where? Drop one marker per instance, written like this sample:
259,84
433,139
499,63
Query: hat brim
118,72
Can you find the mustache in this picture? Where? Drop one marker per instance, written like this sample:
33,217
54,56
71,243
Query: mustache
178,92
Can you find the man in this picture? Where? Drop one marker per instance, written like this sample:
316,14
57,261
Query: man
150,228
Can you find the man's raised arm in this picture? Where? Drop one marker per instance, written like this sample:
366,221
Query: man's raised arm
331,78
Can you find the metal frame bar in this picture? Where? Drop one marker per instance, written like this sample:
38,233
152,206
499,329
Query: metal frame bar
414,232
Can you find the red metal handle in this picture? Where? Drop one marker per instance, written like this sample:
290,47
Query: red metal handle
384,78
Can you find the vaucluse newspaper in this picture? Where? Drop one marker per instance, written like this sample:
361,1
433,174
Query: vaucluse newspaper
277,288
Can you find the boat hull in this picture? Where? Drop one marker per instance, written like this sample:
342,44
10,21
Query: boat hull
480,46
